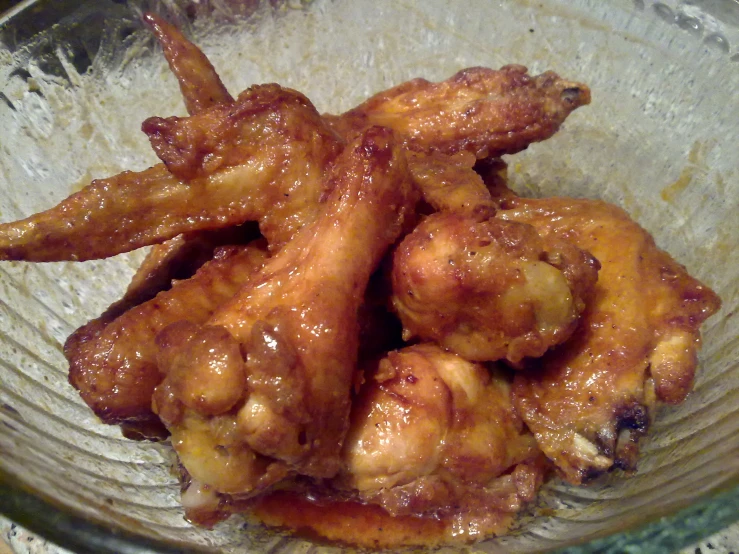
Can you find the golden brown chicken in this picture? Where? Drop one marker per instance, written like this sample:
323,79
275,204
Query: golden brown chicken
435,441
112,363
445,183
200,85
201,89
489,289
431,431
589,401
249,359
175,260
218,176
112,359
241,422
256,159
449,183
484,111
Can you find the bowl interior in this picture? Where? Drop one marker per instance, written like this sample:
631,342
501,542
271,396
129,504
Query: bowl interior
659,140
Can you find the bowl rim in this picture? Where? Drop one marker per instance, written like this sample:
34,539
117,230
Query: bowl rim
68,528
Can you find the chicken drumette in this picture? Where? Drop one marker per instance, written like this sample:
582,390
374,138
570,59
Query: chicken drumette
112,360
433,435
435,443
489,289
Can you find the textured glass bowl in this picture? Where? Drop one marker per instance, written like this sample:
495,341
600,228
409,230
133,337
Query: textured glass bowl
659,139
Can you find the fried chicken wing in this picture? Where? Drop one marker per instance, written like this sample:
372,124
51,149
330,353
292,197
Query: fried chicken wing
434,440
484,111
449,183
200,85
429,430
590,400
489,289
201,89
267,152
174,260
113,359
93,348
286,408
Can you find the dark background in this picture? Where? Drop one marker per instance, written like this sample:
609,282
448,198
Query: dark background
7,4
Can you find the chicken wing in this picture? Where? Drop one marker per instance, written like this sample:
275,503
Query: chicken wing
449,183
434,440
484,111
123,395
285,406
264,154
201,89
200,85
590,400
113,365
175,260
489,289
113,360
426,419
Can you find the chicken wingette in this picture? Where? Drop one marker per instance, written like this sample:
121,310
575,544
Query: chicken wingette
484,111
257,159
589,401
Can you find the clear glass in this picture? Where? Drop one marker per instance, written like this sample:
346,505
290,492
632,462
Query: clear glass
659,139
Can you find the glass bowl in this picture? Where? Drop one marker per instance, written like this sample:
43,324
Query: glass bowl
76,80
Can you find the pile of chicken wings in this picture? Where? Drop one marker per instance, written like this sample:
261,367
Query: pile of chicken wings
349,323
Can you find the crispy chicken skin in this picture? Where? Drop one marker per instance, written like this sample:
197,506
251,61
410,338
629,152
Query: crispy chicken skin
590,400
112,362
435,442
489,289
484,111
200,85
285,347
265,153
449,182
111,358
201,89
175,260
431,430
